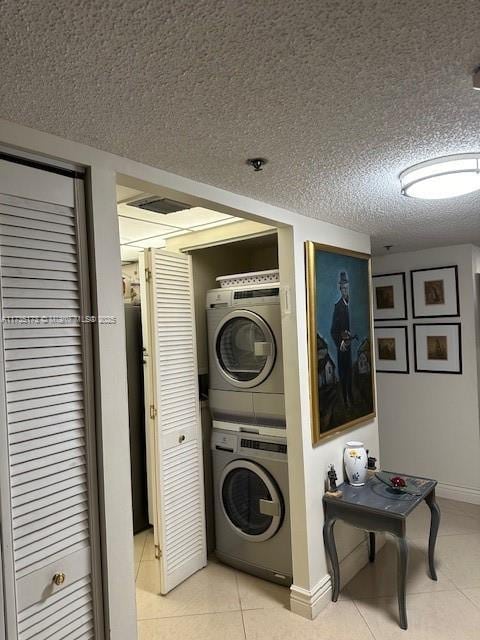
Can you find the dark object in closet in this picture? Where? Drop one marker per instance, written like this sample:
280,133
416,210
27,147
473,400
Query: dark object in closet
136,414
203,386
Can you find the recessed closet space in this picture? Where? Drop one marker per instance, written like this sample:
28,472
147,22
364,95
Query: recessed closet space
236,257
206,403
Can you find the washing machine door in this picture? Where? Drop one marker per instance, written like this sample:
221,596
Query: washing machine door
251,500
244,348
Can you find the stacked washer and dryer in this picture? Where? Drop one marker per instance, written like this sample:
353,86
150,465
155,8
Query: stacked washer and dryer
249,446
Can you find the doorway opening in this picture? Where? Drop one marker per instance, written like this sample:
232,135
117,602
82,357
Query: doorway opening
196,276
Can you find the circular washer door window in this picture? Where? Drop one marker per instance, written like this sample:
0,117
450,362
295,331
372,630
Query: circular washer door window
251,500
245,349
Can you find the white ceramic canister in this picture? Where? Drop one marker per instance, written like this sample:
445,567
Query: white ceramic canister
356,463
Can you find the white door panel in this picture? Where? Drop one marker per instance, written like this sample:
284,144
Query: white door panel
177,438
48,495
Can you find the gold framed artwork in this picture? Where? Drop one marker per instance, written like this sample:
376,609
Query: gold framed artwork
339,339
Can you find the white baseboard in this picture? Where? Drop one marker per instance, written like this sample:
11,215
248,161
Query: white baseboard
462,494
308,603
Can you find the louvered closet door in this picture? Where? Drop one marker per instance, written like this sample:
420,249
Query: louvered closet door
179,465
48,500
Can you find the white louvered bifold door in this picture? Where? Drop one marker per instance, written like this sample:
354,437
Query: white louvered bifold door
48,499
179,465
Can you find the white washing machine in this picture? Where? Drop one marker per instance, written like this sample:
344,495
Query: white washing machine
246,389
252,518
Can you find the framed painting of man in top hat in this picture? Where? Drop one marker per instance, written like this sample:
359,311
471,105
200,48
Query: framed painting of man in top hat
339,339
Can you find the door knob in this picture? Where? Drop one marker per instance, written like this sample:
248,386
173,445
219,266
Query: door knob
58,579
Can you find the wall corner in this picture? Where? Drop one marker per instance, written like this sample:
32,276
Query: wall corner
308,603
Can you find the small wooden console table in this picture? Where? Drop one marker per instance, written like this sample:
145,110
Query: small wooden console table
378,507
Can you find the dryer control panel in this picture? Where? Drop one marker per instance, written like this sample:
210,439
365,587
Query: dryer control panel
260,294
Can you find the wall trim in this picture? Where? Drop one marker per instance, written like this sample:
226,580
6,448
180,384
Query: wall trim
462,494
309,603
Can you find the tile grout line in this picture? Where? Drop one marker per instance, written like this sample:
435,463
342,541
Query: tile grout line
469,599
191,615
456,590
240,605
145,534
409,593
457,587
144,544
243,624
142,533
365,620
443,535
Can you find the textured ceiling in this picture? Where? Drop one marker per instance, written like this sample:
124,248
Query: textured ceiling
339,95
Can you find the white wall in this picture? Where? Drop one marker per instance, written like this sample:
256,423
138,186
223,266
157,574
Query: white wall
429,423
308,465
476,293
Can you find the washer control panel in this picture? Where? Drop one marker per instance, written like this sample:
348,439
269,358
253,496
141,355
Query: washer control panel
261,445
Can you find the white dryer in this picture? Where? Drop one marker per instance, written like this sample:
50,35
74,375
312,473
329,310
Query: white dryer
246,390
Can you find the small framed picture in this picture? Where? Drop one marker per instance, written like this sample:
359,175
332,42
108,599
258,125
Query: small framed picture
391,350
389,297
435,292
438,347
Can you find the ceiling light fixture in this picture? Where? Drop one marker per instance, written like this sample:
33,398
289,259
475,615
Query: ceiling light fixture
445,177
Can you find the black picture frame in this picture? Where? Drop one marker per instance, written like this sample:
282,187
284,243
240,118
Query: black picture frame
438,324
404,287
417,316
407,348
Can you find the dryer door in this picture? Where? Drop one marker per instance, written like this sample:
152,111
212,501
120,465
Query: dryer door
251,500
244,348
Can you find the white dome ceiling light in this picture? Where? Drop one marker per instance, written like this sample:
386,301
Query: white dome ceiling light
445,177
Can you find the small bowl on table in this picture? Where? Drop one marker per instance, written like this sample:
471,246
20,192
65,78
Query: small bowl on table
398,483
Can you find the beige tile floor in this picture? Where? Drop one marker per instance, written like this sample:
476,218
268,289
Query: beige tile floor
219,603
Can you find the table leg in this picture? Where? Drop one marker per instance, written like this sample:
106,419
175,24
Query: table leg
371,546
434,524
331,550
402,580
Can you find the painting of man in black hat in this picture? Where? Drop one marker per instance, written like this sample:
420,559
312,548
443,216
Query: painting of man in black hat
342,338
340,351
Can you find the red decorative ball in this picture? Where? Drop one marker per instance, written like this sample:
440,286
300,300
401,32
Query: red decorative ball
397,481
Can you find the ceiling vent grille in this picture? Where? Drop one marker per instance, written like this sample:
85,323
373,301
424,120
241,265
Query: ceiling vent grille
159,205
